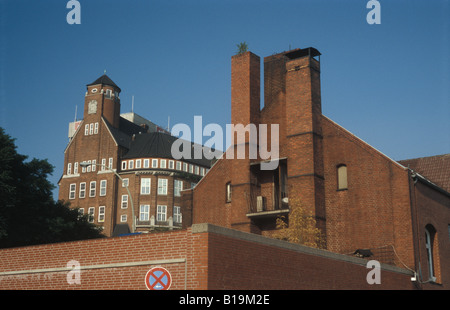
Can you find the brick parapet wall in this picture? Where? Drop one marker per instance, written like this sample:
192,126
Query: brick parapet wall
202,257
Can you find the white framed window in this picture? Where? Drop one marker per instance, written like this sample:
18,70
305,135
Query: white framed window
108,93
171,164
72,190
83,169
82,190
75,168
177,218
162,163
95,128
124,202
80,212
103,164
191,169
161,213
162,186
154,163
228,192
101,214
92,188
145,186
91,213
124,165
86,129
178,165
103,188
146,163
123,218
177,188
197,170
69,168
429,241
125,182
110,163
138,163
88,168
91,129
185,167
94,165
144,212
131,164
202,171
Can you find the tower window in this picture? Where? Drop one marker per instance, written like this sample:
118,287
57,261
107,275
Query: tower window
82,190
72,190
342,177
430,236
108,93
103,188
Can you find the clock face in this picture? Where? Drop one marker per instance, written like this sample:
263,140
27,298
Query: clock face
92,107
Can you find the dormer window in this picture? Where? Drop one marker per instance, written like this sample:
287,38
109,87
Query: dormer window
108,93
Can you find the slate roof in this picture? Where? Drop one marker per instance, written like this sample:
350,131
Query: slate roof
434,168
105,80
159,144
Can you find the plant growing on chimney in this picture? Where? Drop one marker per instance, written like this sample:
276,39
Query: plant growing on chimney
242,48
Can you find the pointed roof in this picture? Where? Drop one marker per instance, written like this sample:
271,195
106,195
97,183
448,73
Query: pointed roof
105,80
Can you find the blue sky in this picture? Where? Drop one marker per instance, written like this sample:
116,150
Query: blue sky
389,84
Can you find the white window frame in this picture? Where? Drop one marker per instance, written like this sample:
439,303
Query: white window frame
185,167
101,214
162,186
103,184
125,182
146,163
144,213
103,164
191,168
75,168
161,213
124,204
96,128
146,186
94,165
69,168
91,129
177,188
162,163
124,165
72,190
92,188
86,129
177,216
131,164
91,214
88,168
110,163
123,218
179,165
138,163
82,193
197,170
171,164
154,163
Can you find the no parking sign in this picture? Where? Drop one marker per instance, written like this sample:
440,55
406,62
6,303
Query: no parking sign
158,278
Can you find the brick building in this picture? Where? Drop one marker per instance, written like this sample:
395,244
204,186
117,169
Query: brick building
361,199
116,164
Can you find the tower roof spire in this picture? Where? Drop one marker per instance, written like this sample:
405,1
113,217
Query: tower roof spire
105,80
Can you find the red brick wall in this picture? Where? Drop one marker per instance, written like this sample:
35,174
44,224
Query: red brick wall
204,257
375,209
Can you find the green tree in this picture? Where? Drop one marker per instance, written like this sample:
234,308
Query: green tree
28,213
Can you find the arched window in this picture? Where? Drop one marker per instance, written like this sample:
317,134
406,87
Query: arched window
342,177
228,192
430,234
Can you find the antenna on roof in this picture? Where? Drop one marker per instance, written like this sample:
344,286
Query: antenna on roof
132,104
76,107
168,123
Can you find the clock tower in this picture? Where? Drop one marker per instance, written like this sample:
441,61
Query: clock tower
102,99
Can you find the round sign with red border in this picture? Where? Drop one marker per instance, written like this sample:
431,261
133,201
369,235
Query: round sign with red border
158,278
